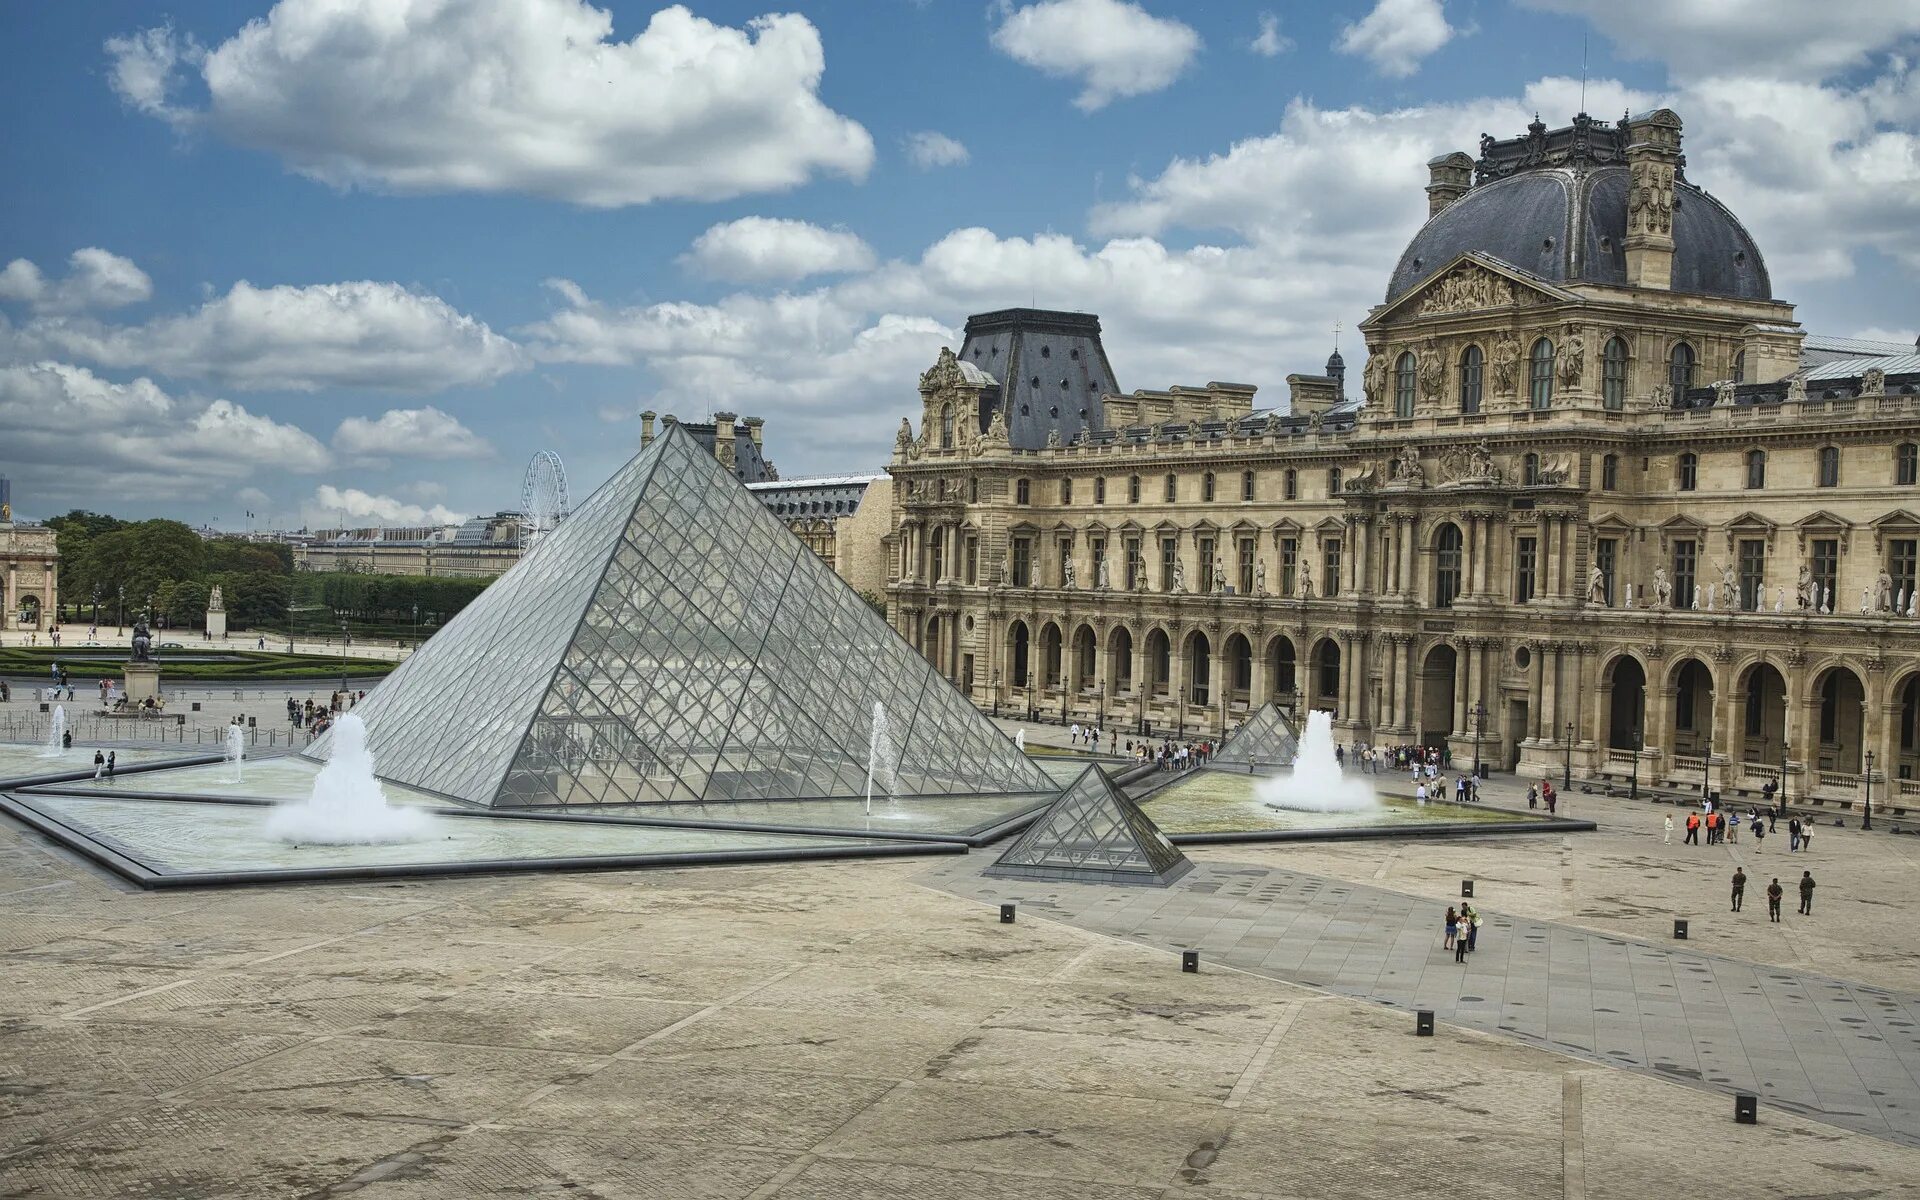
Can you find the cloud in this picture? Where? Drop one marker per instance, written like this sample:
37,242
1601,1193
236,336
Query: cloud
73,437
356,334
253,499
331,503
521,96
1269,43
927,150
1113,48
98,279
1397,35
409,433
760,249
1794,41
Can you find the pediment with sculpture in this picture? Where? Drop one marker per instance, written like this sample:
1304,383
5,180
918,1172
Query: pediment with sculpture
1473,283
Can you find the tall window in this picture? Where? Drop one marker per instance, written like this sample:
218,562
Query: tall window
946,426
1906,464
1245,573
1066,491
1333,481
1686,571
1530,470
1829,466
1446,566
1403,374
1171,490
936,555
1472,364
1169,554
1206,487
1133,489
1292,491
1246,485
1136,564
1329,669
1606,556
1687,477
973,489
1022,561
1739,366
1901,557
1753,572
1097,554
1680,370
973,560
1824,566
1525,558
1830,709
1205,546
1330,566
1064,549
1540,375
1610,473
1023,491
1289,563
1613,375
1100,489
1756,469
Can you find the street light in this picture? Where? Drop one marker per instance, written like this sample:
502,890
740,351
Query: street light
120,622
343,654
1566,780
994,687
415,631
1866,813
1706,771
1479,723
1633,781
1032,712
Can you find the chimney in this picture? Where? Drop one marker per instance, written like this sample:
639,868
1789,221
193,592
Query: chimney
754,430
1653,162
646,428
723,438
1449,177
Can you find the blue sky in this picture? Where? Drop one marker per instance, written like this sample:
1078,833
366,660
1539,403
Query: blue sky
306,261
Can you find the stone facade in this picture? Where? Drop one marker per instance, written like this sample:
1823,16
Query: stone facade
30,553
843,519
1609,525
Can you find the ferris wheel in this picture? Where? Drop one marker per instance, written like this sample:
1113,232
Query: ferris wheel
543,495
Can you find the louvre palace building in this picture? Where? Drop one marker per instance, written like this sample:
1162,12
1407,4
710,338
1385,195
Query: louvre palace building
1596,502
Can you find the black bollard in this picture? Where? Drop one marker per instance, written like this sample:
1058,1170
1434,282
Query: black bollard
1680,929
1006,914
1423,1023
1190,961
1466,889
1746,1108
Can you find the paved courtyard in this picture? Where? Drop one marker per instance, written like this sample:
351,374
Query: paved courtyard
855,1030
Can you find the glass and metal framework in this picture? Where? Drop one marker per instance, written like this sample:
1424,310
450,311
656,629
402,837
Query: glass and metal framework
1094,833
1264,738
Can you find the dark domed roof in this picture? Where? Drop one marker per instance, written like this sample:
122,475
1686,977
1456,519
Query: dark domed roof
1567,223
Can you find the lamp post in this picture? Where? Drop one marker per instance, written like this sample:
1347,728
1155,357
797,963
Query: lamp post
1633,780
1566,779
343,654
120,620
1031,680
1479,723
96,604
993,684
1866,812
415,631
1706,771
1101,722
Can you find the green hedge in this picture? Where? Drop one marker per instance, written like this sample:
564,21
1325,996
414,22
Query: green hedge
35,661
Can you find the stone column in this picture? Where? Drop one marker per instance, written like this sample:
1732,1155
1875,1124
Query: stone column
1536,699
1361,706
1366,553
1409,584
1550,697
1474,683
1578,710
1460,669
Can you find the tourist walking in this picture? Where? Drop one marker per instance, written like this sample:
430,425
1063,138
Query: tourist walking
1774,892
1806,893
1460,942
1739,887
99,764
1533,796
1759,834
1693,830
1733,827
1806,836
1793,834
1667,838
1453,927
1473,929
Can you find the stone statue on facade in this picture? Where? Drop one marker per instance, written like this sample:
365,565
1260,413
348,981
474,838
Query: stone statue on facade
1053,439
1273,427
1662,588
1661,397
1506,362
1723,393
1406,468
1803,589
903,439
1306,581
1882,591
1260,578
1779,598
996,434
1728,587
1573,360
1179,578
1432,370
1068,574
1696,597
1374,377
1910,601
1103,576
1219,580
1797,390
1596,586
1873,382
1713,595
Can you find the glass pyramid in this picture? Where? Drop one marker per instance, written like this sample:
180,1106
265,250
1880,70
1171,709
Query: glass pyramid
671,642
1264,738
1094,833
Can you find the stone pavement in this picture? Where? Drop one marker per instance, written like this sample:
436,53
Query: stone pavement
1845,1053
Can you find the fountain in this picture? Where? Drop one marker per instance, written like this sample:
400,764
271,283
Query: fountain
237,751
56,734
1317,783
347,806
882,756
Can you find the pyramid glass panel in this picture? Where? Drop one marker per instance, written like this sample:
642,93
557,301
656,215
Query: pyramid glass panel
1263,739
1094,833
674,643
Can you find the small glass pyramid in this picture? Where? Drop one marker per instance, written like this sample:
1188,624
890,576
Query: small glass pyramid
672,641
1265,738
1094,833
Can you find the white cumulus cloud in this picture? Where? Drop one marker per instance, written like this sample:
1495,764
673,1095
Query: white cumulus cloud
1112,47
330,504
355,334
1397,35
1270,42
928,149
1797,41
409,433
526,96
96,278
760,249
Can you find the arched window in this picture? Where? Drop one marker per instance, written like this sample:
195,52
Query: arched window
1328,670
1472,362
1829,466
1133,489
1756,469
1019,648
1530,470
1171,481
1246,485
1333,481
1540,375
1613,375
1680,369
1687,472
1446,565
946,426
1403,385
1609,472
1292,484
1906,464
1206,487
1739,366
1100,489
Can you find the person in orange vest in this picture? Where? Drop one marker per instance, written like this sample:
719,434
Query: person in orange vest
1693,830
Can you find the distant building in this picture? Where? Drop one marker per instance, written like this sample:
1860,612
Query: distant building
743,456
841,518
480,548
30,553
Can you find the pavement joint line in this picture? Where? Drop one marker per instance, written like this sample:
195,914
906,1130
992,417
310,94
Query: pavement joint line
1573,1163
1386,864
784,1176
165,987
704,1013
1261,1057
1073,964
41,887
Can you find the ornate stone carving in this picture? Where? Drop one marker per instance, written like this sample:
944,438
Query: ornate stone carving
1797,390
1650,207
1468,464
1374,377
904,438
1506,363
1573,359
1873,382
1053,439
1361,482
1468,289
1406,468
1432,371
